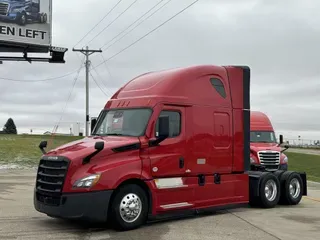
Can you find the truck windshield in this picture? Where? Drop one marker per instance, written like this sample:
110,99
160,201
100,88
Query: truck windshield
127,122
262,137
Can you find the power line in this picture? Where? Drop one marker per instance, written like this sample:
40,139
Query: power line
133,23
67,102
112,22
40,80
138,24
148,33
105,63
103,83
98,22
98,85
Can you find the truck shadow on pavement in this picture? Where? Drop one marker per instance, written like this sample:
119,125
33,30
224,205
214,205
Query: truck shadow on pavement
156,230
94,231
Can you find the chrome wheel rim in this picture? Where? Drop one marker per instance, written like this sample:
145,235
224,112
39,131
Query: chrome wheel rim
130,208
270,190
294,188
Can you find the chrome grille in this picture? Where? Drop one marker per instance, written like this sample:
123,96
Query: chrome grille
269,159
4,9
50,179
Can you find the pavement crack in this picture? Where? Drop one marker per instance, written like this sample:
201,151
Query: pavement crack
261,229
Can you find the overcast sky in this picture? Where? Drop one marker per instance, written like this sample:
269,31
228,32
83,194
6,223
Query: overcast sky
279,40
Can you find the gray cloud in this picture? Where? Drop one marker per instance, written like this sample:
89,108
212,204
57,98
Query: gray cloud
277,39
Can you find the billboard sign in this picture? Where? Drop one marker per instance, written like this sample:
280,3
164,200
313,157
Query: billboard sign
25,22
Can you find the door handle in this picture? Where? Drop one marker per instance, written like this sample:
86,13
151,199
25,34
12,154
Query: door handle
181,162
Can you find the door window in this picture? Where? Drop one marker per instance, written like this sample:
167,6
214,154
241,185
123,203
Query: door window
174,123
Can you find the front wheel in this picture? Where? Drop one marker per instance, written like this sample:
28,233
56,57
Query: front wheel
22,19
129,208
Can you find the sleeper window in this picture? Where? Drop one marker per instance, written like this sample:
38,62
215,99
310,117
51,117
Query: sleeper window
174,123
218,85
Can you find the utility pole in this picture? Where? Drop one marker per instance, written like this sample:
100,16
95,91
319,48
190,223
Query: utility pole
87,52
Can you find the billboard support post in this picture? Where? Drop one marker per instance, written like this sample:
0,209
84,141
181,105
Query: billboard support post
87,52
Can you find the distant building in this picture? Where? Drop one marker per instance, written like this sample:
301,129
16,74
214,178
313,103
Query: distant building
57,134
76,129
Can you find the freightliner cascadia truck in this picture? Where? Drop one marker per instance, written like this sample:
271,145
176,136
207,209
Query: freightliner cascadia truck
168,142
264,149
22,11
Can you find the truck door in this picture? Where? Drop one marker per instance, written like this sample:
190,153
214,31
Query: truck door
167,159
168,163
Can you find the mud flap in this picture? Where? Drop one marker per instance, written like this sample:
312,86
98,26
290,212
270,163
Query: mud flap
254,182
303,176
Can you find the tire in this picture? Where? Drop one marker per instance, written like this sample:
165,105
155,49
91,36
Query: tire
269,191
278,174
291,188
45,18
22,19
123,197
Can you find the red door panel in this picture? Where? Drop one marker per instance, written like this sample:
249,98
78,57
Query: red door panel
165,158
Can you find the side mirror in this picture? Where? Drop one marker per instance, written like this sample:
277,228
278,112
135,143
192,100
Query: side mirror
280,139
93,123
42,146
163,131
286,147
99,146
163,127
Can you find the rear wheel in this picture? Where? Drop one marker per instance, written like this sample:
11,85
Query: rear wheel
45,18
269,191
129,208
292,188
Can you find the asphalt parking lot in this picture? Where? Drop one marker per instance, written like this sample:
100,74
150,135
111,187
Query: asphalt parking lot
304,150
19,220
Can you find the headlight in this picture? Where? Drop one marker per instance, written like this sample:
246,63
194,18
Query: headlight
87,182
252,160
285,160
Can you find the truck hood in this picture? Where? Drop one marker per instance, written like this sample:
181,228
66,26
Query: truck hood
256,147
81,148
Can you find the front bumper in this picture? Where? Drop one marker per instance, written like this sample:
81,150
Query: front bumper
91,206
283,167
10,17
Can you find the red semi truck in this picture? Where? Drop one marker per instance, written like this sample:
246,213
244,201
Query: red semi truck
168,142
265,151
